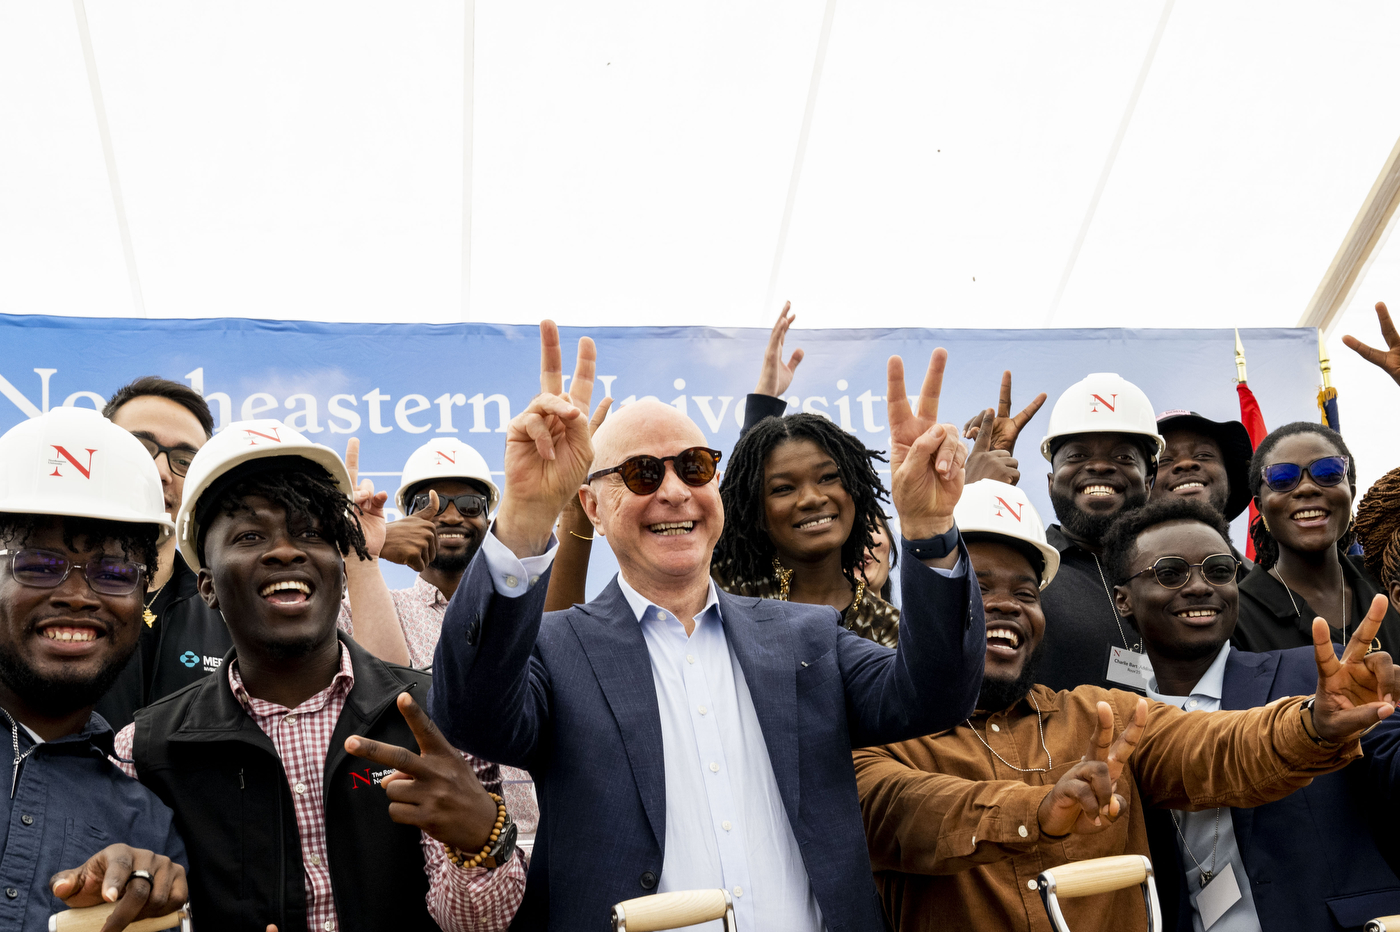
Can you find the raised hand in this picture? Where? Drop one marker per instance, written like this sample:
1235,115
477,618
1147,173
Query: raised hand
986,463
548,449
106,878
1389,358
1084,800
1358,690
412,540
775,376
1005,428
435,790
369,505
926,457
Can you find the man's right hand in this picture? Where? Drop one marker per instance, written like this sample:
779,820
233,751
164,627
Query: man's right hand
106,878
775,376
1084,800
1387,359
985,463
412,540
548,449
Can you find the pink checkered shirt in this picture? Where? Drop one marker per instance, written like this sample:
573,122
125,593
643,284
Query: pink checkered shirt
421,608
459,899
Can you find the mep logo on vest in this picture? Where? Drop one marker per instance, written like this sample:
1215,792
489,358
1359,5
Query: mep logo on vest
74,464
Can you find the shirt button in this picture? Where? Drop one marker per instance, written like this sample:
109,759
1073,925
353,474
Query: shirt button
300,788
703,710
534,579
996,727
27,819
11,892
1031,884
315,860
290,719
689,658
714,766
738,891
1022,831
511,582
726,825
1192,703
661,615
329,926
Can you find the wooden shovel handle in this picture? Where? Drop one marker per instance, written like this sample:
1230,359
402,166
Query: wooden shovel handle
1098,875
672,910
90,919
1384,924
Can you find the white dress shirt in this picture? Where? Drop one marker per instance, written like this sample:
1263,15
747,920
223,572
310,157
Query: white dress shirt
1198,828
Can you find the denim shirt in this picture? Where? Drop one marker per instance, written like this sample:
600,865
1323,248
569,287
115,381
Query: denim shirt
69,802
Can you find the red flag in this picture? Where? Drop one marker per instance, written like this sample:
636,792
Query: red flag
1253,420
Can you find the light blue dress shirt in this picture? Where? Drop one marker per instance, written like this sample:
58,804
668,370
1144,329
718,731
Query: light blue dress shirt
1199,827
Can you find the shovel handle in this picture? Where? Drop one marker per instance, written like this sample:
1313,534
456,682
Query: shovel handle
91,918
1099,875
671,910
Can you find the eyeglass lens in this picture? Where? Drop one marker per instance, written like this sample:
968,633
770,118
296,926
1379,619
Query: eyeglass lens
44,569
1327,472
644,474
180,460
1173,572
469,505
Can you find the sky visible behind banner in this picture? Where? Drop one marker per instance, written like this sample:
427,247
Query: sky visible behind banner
397,386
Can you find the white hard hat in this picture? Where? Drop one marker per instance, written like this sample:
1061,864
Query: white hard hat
75,463
448,458
991,507
1103,403
239,443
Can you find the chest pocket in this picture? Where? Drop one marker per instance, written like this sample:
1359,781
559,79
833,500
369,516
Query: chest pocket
81,840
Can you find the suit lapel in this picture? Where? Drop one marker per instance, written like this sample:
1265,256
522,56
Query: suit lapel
1248,679
616,650
765,654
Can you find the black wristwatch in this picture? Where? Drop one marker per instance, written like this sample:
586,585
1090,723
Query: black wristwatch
934,548
504,849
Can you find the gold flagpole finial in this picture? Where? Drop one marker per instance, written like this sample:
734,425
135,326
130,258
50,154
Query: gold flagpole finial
1239,358
1324,361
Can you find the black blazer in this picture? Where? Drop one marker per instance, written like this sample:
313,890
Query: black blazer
1312,858
1269,621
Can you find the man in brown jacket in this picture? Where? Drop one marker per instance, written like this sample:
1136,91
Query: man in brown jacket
960,823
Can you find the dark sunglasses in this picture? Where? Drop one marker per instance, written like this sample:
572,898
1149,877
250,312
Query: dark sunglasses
469,504
179,458
44,569
644,474
1326,471
1174,572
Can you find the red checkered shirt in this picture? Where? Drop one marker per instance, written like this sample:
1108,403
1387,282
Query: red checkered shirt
460,899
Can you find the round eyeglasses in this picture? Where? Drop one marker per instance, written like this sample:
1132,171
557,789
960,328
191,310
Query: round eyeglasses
1173,572
644,474
45,569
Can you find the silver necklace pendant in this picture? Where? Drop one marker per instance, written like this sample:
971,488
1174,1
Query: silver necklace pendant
1206,877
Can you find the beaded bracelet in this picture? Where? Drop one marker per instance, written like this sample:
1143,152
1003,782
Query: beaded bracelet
459,858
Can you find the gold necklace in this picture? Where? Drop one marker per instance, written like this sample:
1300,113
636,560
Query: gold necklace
785,585
148,616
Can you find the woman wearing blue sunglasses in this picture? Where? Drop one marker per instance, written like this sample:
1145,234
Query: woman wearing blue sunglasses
1303,480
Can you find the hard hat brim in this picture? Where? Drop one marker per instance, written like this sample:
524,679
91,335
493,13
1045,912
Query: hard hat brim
22,506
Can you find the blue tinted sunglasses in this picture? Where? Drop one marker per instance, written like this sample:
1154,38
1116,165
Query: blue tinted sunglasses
1327,472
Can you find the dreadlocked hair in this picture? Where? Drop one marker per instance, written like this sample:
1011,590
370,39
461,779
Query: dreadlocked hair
1265,547
1378,528
745,552
307,492
137,541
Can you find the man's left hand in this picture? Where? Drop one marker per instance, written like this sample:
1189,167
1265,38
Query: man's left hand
106,878
926,457
435,790
1358,690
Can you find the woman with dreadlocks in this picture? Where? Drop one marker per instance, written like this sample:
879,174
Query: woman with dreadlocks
1303,479
802,507
1378,532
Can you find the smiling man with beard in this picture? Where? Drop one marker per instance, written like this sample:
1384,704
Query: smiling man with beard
1102,445
960,823
79,535
314,790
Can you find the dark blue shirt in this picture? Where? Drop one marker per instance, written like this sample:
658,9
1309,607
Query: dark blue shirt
69,802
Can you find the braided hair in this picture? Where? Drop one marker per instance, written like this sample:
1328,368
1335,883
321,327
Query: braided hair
1265,547
305,490
1378,528
745,552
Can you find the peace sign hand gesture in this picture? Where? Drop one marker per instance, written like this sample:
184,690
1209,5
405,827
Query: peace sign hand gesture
435,790
1358,690
1085,801
1004,428
926,457
548,449
1389,358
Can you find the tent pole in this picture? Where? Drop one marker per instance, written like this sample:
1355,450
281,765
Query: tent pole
468,127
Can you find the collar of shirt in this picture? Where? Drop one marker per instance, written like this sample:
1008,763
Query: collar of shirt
341,684
426,592
1206,694
640,604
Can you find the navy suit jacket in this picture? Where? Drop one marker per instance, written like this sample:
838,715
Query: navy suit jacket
569,697
1312,857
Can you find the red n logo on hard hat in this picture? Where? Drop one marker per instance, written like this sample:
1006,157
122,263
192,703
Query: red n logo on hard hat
1012,510
1096,400
85,470
444,456
250,434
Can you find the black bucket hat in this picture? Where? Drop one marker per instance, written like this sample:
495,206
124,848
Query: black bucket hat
1233,440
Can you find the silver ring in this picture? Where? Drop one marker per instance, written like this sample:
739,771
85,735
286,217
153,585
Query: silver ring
141,875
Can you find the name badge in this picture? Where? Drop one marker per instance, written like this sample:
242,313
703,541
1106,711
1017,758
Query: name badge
1216,898
1128,668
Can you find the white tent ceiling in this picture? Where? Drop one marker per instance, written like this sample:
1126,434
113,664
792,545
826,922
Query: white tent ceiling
983,164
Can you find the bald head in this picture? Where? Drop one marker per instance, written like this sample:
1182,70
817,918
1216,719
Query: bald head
633,428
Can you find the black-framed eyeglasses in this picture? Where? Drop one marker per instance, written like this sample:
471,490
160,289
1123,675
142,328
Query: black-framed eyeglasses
1218,569
179,458
469,504
644,474
45,569
1326,471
